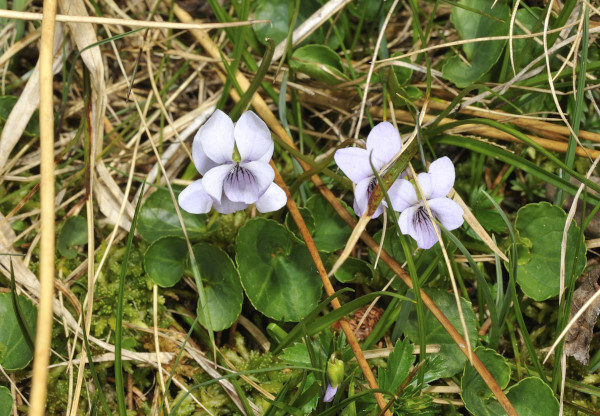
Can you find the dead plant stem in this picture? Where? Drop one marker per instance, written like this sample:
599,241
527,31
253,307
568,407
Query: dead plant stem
46,274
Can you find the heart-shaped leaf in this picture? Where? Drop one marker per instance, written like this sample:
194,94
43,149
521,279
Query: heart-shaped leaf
72,233
319,62
164,261
15,353
354,271
158,219
330,232
492,20
541,226
474,392
6,401
520,396
278,275
221,284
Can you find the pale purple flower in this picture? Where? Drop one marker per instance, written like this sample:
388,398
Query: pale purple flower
234,161
383,143
330,393
414,219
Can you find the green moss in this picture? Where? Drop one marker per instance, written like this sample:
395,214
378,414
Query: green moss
137,305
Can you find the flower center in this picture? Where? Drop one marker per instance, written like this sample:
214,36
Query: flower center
372,185
421,216
240,176
236,154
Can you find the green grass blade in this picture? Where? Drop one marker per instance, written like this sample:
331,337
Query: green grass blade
119,384
25,329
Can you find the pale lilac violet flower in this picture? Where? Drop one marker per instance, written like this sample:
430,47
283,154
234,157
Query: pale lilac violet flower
383,143
330,393
414,219
233,159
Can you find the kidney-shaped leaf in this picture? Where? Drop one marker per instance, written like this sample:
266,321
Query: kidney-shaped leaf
72,233
164,261
15,353
331,231
6,401
158,219
541,226
520,395
529,397
481,56
474,392
221,284
319,62
279,276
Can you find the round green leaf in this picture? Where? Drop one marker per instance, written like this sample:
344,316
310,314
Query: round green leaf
493,20
354,271
474,392
540,226
164,261
72,233
454,359
279,277
529,397
158,219
309,221
319,62
6,401
221,284
520,395
331,232
15,354
277,11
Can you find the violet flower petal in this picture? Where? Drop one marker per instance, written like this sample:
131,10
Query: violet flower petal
362,193
361,196
194,199
216,137
273,199
442,177
354,162
383,142
330,393
253,138
225,206
415,222
246,182
202,162
214,179
426,184
447,212
402,195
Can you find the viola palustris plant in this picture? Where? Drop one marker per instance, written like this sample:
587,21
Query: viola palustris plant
221,262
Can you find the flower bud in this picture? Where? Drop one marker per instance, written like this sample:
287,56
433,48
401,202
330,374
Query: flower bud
335,370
